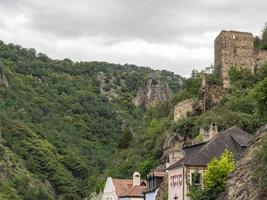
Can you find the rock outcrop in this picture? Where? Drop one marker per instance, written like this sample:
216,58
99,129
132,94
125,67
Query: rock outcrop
209,95
182,109
242,185
172,147
3,81
153,92
105,87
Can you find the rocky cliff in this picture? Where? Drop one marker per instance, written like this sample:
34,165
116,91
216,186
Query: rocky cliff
106,86
209,95
242,184
182,109
152,92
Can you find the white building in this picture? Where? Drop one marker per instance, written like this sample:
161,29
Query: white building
124,189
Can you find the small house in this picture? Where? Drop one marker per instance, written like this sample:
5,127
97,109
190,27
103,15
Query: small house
124,189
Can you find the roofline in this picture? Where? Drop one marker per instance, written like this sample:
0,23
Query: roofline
161,176
193,145
150,190
174,165
188,165
232,31
130,196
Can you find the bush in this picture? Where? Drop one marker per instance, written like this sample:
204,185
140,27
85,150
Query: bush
260,95
215,177
218,171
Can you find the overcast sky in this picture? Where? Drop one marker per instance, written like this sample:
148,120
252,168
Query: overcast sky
176,35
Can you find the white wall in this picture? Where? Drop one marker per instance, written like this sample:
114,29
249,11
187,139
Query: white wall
109,192
175,183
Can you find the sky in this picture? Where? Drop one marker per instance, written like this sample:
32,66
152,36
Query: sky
175,35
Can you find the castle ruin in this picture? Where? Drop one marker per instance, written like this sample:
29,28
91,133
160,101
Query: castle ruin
234,48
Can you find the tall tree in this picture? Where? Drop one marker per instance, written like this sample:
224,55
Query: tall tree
264,37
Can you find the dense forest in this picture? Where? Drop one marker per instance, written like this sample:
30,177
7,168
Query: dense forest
60,131
61,136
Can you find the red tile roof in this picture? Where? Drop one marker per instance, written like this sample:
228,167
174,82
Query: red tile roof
135,191
158,173
124,187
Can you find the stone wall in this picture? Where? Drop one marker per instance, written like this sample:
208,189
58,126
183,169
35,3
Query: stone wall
242,184
233,48
182,109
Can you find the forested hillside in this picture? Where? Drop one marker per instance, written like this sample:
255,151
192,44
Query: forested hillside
62,121
66,126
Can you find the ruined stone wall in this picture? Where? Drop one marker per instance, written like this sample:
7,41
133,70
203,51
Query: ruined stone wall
233,48
182,109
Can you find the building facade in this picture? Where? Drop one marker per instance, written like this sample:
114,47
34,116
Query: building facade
154,179
191,168
124,189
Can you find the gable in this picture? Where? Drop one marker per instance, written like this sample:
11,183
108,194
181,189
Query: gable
109,186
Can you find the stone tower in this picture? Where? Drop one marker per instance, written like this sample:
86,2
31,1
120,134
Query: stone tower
233,48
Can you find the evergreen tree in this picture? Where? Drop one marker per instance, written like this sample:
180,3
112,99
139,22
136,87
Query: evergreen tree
126,138
264,37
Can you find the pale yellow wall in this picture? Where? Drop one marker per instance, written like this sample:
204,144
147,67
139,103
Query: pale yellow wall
188,178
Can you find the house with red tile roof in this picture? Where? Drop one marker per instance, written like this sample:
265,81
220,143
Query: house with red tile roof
125,189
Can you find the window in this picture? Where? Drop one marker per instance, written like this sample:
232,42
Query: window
196,178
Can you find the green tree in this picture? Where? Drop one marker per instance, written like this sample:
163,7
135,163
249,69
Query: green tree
241,78
260,96
126,138
264,37
257,41
218,171
215,178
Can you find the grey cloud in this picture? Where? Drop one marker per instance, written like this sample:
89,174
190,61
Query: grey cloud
151,20
103,24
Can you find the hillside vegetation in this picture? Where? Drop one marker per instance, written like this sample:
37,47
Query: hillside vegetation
61,135
61,128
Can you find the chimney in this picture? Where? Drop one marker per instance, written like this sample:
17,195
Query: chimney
136,179
213,131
